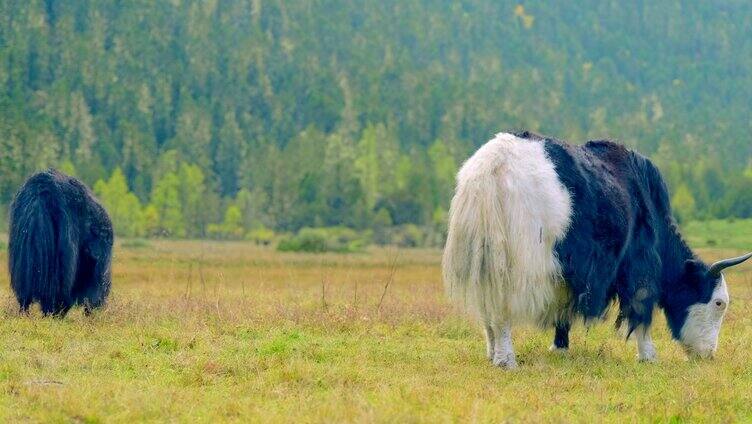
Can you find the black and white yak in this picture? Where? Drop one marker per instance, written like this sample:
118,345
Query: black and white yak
60,245
541,231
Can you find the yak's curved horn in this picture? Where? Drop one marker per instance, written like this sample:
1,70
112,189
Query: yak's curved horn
716,268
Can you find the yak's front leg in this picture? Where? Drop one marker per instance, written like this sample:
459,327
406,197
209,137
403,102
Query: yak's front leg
503,350
561,338
645,347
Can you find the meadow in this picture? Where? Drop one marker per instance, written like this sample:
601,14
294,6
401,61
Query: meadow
200,331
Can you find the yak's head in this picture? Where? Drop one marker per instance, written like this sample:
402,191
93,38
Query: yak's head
696,307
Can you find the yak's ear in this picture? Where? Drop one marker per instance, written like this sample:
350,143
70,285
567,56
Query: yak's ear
692,266
693,269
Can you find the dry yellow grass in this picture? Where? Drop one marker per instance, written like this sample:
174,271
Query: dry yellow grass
200,331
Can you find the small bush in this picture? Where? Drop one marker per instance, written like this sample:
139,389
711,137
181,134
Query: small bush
261,236
410,235
307,240
332,239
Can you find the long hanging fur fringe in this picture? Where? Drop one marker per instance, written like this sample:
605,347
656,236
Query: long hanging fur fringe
508,211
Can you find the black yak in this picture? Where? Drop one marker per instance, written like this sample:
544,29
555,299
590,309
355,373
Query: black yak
543,231
60,245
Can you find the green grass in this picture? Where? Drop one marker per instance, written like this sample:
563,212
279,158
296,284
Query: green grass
736,234
202,331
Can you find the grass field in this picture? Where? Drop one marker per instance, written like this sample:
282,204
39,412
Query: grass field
200,331
730,234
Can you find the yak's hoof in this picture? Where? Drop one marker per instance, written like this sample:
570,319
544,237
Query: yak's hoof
559,350
647,354
506,361
649,358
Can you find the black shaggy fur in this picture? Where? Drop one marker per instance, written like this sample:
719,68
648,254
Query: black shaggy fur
623,243
60,245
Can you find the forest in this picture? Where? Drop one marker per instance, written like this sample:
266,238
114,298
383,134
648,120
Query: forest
240,119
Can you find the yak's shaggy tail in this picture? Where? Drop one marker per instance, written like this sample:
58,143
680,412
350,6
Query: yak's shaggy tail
42,255
508,210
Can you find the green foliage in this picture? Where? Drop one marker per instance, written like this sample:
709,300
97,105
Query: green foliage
331,239
123,206
231,227
68,168
408,235
261,236
444,169
180,204
151,220
336,120
738,199
382,222
167,207
684,203
195,202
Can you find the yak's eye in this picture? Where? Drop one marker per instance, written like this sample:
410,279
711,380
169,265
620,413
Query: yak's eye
720,304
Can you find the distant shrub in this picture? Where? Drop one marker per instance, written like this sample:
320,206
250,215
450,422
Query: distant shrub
231,228
261,236
331,239
307,240
408,235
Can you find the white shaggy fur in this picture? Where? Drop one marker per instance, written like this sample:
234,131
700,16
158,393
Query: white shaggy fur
499,264
699,334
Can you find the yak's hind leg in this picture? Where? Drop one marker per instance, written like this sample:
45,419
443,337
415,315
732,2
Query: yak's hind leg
490,348
503,350
561,337
60,310
24,303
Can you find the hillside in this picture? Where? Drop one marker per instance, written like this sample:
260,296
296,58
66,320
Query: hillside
284,114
